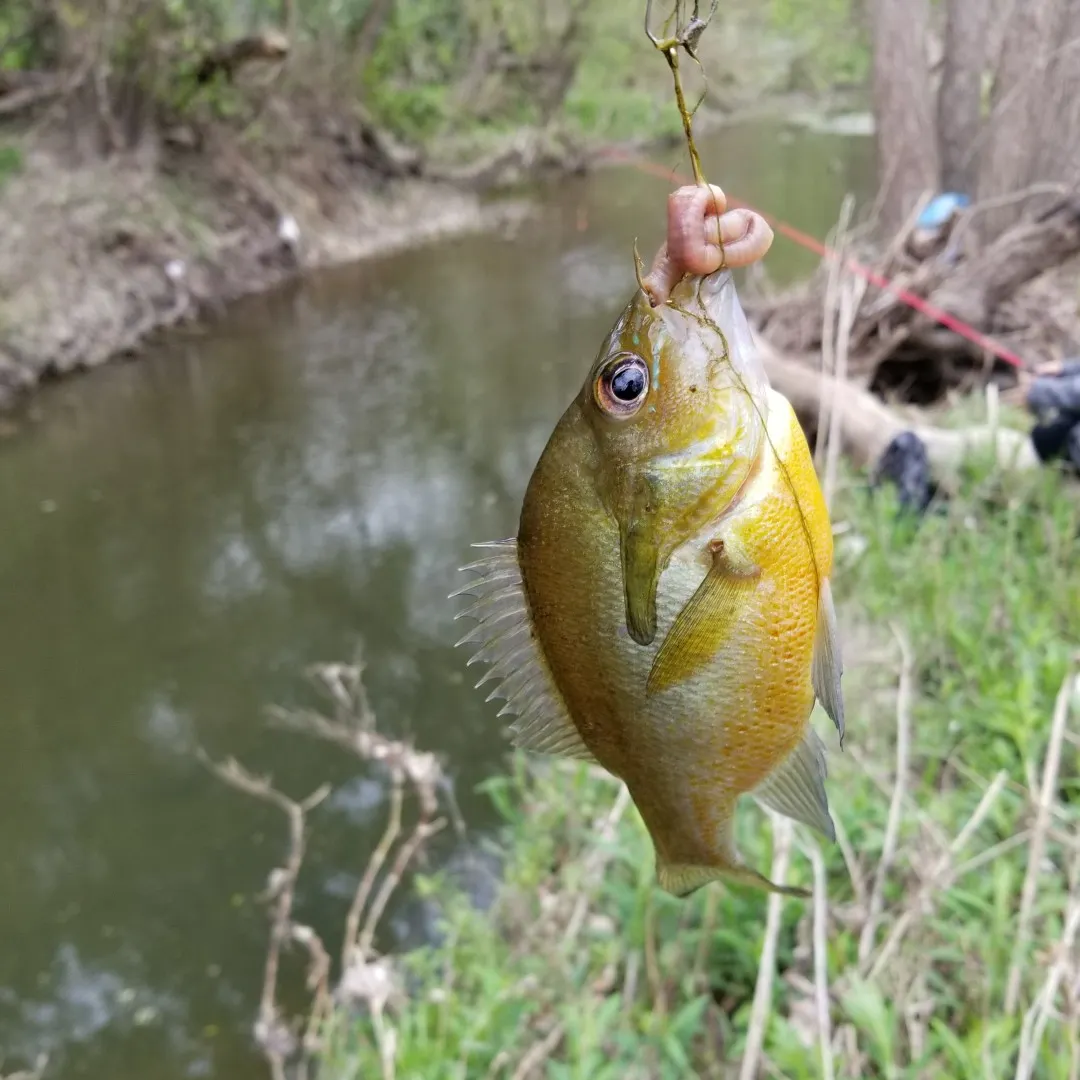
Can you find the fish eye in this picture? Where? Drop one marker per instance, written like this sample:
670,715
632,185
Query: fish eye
622,385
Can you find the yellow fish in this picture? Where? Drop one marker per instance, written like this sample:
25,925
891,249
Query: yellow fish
665,610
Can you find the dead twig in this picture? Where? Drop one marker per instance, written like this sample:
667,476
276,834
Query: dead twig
830,330
365,976
272,1034
371,871
821,959
896,806
1037,1017
539,1052
858,882
1047,797
423,832
763,988
318,984
942,876
597,860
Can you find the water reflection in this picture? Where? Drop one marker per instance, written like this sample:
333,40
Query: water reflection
185,535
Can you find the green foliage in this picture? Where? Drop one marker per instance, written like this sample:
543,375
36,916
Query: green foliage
11,162
985,591
830,36
426,69
621,91
418,60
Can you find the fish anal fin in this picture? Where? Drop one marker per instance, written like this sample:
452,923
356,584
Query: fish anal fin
828,665
796,788
703,625
503,638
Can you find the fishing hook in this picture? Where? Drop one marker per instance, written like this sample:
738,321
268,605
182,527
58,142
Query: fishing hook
687,38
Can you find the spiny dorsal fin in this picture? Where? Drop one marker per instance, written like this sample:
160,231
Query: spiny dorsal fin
828,664
504,639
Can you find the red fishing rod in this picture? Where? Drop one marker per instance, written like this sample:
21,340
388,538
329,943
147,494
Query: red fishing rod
811,243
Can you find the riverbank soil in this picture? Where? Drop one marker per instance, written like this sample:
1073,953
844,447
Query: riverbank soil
158,160
98,253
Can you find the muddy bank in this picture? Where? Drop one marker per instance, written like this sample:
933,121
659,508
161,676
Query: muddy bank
99,254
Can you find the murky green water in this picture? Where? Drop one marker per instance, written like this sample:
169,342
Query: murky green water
182,536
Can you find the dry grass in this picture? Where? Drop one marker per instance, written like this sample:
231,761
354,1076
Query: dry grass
941,939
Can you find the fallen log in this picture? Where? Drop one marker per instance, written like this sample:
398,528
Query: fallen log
24,91
867,425
980,285
983,287
225,60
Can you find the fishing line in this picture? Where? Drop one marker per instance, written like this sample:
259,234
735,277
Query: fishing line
686,37
706,320
811,243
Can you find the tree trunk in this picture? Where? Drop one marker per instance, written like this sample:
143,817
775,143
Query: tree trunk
1060,158
368,33
982,284
906,145
960,93
1023,119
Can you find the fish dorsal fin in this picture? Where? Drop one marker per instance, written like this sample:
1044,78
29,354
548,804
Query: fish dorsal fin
828,664
796,788
503,638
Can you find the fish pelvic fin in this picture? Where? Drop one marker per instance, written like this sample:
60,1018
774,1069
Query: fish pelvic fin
503,638
682,880
703,625
827,667
796,787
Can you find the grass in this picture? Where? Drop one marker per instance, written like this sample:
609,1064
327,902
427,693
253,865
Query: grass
937,946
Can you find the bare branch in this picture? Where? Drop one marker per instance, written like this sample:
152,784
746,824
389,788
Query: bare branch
892,825
763,988
1047,797
274,1037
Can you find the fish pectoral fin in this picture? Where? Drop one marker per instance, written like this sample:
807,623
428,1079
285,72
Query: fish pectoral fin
518,669
796,788
704,623
828,665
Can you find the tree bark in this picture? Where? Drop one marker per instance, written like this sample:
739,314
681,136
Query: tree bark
226,60
960,94
906,143
1022,120
1060,158
368,33
979,286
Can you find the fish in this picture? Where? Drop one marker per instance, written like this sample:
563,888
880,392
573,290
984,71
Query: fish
665,610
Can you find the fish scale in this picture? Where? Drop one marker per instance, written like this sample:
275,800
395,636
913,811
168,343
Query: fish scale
665,610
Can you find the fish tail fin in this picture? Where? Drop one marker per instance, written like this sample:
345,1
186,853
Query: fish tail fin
681,878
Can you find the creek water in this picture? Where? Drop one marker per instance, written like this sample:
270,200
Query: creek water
182,536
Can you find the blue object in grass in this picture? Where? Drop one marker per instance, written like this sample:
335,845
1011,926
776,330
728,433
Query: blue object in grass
941,208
